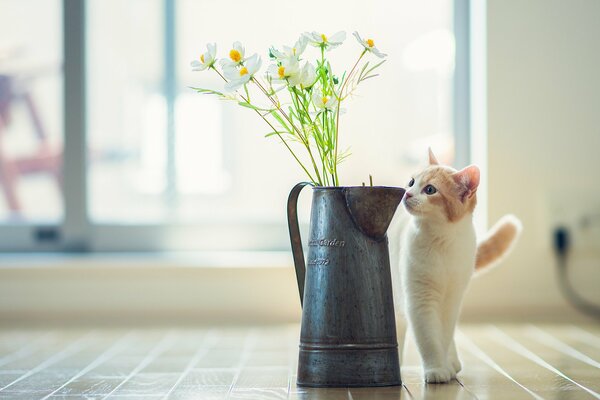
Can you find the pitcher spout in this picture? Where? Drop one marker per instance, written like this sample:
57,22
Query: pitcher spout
373,207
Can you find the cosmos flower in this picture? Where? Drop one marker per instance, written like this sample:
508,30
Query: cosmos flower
323,41
207,59
236,56
369,45
239,75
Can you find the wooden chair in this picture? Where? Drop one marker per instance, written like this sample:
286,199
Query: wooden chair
45,159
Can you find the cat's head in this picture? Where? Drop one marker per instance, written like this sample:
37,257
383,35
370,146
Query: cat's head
442,193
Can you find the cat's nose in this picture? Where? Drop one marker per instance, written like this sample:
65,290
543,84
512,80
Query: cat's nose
407,195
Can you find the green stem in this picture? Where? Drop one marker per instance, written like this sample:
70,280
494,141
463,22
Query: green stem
276,132
304,140
337,113
276,104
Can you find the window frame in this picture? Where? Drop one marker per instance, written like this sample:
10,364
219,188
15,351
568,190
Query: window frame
77,233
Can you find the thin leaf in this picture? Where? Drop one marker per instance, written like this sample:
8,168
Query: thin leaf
362,70
375,66
207,91
368,77
281,121
253,107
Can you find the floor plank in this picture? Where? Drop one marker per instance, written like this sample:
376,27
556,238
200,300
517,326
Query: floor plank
511,357
506,361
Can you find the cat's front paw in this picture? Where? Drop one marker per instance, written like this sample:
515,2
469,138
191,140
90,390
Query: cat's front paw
437,375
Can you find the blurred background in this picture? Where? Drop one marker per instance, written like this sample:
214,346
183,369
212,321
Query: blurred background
125,196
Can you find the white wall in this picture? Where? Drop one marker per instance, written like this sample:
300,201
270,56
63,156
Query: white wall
543,72
183,289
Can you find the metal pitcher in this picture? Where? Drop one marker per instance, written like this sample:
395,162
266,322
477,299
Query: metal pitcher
348,334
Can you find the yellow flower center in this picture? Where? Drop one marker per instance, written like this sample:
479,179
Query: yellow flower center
325,100
235,55
243,71
281,72
370,42
323,37
202,58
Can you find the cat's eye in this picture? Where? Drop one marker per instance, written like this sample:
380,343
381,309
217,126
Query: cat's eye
429,190
412,182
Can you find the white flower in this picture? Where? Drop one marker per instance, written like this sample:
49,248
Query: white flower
323,102
291,52
322,40
207,59
236,56
238,77
369,45
287,70
308,76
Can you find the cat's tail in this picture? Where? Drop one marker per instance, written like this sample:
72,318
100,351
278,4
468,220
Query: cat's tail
498,242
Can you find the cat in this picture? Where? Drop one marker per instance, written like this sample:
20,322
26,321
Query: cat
439,255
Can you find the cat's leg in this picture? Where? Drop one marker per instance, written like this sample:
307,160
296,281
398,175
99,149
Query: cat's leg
450,318
427,327
401,329
453,360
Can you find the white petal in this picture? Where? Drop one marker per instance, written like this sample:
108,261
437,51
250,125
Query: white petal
333,45
376,51
237,83
301,45
278,54
357,36
314,38
226,63
253,64
308,76
331,103
238,46
291,65
233,85
338,37
294,80
212,49
316,98
231,72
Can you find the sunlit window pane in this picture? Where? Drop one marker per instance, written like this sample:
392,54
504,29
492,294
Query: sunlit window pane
31,104
126,109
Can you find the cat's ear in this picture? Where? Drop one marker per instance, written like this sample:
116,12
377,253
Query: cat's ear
468,179
432,159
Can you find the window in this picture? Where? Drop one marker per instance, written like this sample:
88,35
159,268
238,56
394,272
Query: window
151,165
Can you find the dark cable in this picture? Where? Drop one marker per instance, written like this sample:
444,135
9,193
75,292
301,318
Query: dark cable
561,246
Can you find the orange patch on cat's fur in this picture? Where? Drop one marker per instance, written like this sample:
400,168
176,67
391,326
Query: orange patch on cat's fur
457,201
450,191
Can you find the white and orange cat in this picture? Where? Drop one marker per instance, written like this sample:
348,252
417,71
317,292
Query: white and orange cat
439,255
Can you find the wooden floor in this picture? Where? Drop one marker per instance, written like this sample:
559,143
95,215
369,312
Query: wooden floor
500,362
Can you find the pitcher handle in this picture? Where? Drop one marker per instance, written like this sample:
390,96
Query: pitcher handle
295,239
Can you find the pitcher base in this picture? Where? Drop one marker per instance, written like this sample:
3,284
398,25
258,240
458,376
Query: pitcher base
349,368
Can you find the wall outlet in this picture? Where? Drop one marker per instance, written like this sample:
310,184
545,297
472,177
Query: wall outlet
580,214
